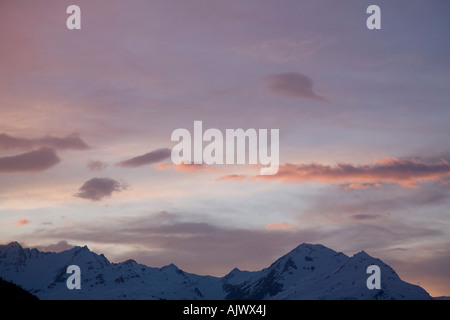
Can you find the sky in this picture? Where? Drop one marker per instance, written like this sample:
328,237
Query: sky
363,116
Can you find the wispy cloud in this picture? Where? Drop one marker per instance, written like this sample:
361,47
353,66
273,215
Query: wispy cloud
186,167
279,226
146,159
72,142
22,222
366,216
96,165
292,85
58,247
96,189
235,177
32,161
279,50
359,186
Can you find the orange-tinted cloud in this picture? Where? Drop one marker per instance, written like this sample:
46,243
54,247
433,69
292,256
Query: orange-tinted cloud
359,186
279,226
235,177
22,222
185,167
406,173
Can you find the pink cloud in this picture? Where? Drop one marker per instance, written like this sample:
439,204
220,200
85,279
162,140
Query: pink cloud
406,173
22,222
359,186
185,167
235,177
279,226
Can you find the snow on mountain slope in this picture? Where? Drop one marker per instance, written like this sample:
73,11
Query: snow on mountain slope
300,266
349,282
44,274
307,272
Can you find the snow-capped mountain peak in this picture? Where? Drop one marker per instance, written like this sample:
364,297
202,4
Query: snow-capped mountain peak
310,271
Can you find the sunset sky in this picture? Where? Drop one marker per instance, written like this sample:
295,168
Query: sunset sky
86,118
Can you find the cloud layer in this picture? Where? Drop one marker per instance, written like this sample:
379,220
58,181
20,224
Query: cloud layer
213,249
406,173
195,246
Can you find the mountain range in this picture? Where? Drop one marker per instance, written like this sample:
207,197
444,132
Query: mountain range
310,271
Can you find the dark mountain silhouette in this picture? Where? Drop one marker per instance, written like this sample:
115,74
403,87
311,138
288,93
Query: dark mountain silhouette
11,291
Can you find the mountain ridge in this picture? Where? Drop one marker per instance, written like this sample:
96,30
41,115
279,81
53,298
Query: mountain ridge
309,271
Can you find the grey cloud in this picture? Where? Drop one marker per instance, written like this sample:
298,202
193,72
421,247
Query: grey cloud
366,216
380,202
293,85
148,158
96,165
58,247
96,189
32,161
72,142
212,249
204,248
